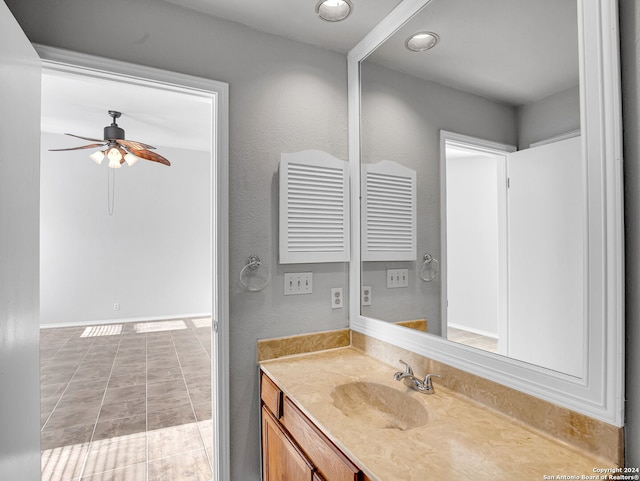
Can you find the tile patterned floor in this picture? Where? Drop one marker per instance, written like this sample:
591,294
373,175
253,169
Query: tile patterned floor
471,339
127,402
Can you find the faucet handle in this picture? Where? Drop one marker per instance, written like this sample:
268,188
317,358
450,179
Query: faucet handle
407,369
427,381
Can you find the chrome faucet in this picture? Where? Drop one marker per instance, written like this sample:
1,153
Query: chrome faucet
413,382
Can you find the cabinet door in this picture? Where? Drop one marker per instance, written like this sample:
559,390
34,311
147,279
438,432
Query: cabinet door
281,459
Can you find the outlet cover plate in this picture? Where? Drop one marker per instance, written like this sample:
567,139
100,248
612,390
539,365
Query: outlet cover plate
298,283
336,298
366,295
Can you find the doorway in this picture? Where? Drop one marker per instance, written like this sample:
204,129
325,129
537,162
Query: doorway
160,350
474,209
474,239
513,243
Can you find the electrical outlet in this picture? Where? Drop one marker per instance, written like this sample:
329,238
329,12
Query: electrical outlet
366,295
116,307
336,298
298,283
397,278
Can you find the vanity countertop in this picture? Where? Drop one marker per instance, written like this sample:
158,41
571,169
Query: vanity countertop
462,440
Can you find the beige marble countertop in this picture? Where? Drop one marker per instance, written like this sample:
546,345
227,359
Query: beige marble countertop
461,440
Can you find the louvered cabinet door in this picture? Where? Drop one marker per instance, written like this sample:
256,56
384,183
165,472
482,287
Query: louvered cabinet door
314,208
388,212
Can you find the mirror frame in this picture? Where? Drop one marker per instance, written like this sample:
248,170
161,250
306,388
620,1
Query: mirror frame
600,393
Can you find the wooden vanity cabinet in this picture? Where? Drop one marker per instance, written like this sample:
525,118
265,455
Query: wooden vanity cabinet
328,459
282,460
293,448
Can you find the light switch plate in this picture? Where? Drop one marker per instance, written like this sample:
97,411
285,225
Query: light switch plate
397,278
298,283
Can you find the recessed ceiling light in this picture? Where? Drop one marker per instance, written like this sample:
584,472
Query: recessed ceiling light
419,42
334,10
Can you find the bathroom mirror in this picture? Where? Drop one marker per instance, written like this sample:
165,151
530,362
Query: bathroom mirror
502,215
537,78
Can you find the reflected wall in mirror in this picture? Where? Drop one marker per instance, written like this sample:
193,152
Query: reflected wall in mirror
489,119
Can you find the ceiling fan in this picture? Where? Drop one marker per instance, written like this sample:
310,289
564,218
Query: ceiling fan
116,148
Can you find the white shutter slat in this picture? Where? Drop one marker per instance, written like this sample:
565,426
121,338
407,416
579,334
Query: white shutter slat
389,212
314,214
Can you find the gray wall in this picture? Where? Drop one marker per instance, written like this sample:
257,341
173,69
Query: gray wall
284,97
415,111
554,115
19,226
152,257
630,58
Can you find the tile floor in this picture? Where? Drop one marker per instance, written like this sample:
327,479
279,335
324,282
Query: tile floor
471,339
127,402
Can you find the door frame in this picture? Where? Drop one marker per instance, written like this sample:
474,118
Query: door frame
488,147
54,59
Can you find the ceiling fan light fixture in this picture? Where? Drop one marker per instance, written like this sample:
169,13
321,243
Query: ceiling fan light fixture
116,147
334,10
131,159
97,156
421,41
115,157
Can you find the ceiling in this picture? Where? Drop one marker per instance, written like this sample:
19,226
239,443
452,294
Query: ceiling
494,48
297,20
79,105
513,51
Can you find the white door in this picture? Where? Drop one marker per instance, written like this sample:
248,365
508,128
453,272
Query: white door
546,256
19,253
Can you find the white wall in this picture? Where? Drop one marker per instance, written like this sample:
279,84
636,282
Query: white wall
549,117
284,97
19,206
630,46
408,132
472,243
152,257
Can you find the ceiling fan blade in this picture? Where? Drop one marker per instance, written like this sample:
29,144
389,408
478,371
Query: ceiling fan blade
90,146
147,155
133,145
85,138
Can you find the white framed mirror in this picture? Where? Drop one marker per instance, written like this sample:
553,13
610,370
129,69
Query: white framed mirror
583,88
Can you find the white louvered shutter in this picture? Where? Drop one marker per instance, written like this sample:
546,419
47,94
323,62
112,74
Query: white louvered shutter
314,209
388,212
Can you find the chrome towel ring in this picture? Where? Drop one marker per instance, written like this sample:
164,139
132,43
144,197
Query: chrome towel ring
430,268
254,276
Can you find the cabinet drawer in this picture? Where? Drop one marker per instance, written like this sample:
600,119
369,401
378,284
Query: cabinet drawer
331,463
271,395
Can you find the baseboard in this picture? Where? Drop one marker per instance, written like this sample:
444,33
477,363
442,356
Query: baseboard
123,321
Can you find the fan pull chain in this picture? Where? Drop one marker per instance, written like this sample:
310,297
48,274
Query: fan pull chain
111,189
